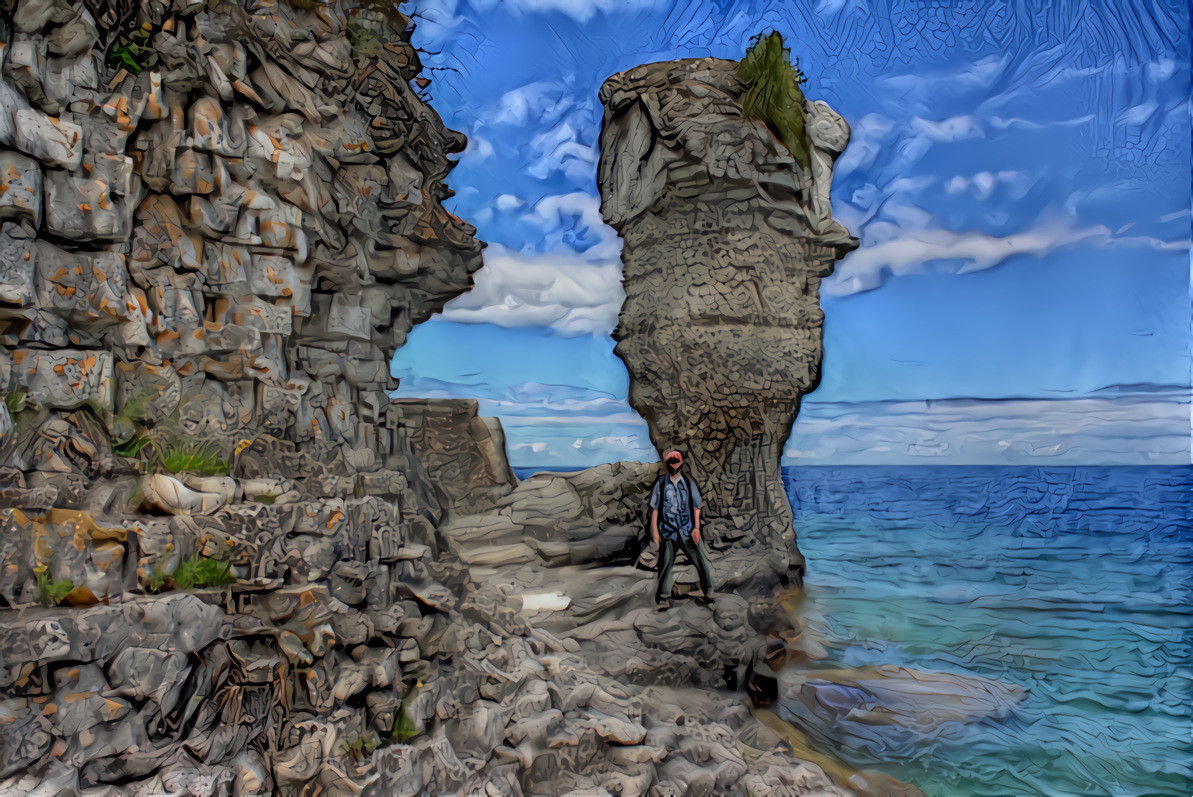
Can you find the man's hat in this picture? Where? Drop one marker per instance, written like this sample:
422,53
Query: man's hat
673,454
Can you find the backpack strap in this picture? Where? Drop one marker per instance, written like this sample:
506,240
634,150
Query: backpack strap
656,486
691,508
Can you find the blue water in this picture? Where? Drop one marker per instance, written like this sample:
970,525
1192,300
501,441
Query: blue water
1073,583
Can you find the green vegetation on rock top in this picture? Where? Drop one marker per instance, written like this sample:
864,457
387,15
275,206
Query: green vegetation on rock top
773,93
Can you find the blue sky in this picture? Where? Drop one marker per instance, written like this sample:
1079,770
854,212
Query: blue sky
1020,183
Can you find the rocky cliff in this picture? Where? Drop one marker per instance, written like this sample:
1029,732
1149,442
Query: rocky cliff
217,221
727,237
230,564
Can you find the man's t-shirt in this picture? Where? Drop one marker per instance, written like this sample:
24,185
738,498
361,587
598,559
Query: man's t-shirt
674,518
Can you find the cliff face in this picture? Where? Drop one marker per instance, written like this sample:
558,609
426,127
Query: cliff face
217,221
228,562
726,240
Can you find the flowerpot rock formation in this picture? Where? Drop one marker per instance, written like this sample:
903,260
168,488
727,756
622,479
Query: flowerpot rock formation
726,240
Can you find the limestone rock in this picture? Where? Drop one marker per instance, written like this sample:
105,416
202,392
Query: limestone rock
56,142
184,274
65,378
726,240
172,495
436,431
20,188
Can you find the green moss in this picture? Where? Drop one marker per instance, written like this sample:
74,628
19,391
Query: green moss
363,746
131,52
15,401
404,729
364,41
158,580
266,498
50,591
391,8
773,93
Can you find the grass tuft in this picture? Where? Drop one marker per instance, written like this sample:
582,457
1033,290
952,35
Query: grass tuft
192,456
195,572
131,447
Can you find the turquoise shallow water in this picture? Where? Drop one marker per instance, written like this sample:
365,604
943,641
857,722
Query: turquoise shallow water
1073,583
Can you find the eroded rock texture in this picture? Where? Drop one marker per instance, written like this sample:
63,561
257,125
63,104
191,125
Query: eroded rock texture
726,241
209,248
229,564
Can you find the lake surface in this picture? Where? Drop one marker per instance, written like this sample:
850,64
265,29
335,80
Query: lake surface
1073,583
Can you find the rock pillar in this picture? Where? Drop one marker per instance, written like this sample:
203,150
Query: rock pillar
726,239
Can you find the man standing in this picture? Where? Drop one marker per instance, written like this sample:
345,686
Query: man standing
675,523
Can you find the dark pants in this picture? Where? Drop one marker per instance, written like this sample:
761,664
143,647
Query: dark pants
696,555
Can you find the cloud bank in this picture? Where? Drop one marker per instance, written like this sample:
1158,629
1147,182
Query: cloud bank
1127,430
564,292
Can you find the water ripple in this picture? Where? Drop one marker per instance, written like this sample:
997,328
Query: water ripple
1074,584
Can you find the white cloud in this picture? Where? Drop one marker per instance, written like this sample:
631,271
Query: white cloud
1133,430
568,139
561,148
979,75
892,251
1124,427
625,441
561,215
579,10
982,185
955,128
527,103
562,291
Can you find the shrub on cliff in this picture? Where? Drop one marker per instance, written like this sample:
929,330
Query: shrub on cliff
773,93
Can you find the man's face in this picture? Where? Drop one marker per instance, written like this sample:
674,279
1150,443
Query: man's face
673,464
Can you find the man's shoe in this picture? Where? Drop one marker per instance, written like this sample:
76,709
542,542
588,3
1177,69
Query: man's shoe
662,604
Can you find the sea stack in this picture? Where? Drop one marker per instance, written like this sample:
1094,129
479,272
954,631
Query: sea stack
727,236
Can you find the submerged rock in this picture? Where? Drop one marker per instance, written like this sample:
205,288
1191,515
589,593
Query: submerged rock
890,710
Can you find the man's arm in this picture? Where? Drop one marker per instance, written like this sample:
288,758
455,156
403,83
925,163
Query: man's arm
655,500
696,525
